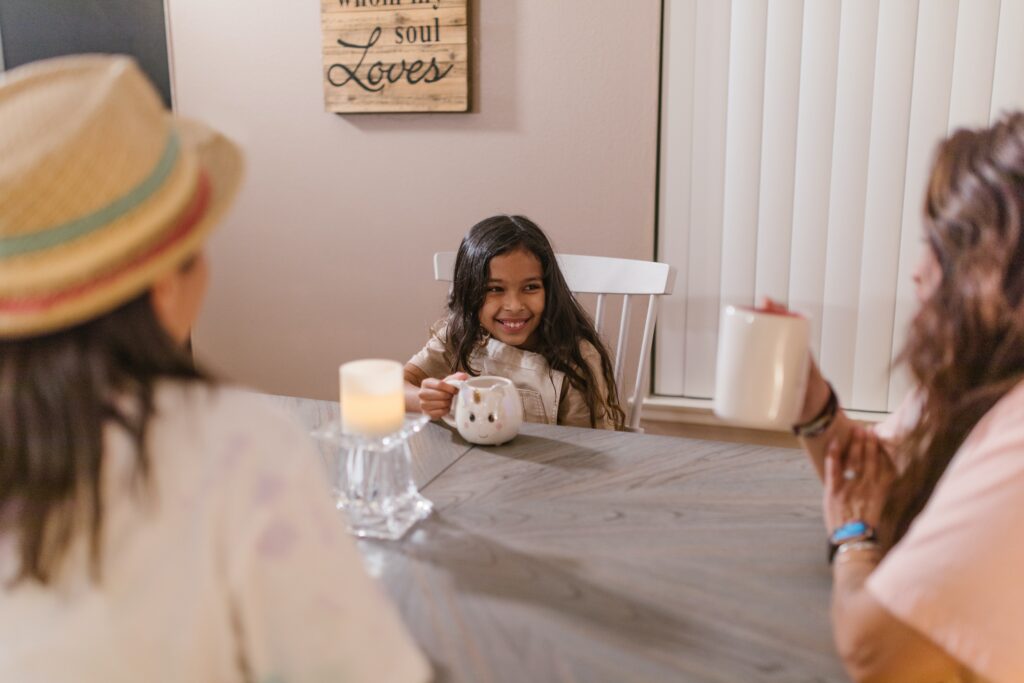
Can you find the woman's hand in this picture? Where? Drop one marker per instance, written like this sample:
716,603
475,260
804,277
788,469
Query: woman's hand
817,392
436,395
857,480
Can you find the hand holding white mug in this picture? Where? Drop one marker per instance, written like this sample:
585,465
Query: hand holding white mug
817,393
762,369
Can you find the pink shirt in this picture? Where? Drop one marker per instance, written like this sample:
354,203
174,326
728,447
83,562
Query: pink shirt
956,576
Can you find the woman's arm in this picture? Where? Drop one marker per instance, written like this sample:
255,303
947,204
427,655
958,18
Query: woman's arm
304,607
873,644
842,426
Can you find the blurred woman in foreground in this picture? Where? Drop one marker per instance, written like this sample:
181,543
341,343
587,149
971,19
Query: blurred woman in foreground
153,526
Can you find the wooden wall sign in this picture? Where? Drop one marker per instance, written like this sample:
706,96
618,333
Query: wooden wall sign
395,55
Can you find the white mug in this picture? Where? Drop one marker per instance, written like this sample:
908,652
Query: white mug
487,410
761,372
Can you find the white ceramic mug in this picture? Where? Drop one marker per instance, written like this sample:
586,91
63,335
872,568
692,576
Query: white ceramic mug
487,410
761,372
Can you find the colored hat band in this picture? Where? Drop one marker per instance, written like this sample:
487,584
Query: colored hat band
18,245
192,214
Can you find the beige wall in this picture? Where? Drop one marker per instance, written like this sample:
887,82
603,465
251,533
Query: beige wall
326,256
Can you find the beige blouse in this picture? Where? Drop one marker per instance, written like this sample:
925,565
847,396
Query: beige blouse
547,397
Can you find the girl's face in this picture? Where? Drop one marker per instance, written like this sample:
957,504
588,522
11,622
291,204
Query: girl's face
514,302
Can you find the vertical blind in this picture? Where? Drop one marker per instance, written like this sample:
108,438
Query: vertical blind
795,145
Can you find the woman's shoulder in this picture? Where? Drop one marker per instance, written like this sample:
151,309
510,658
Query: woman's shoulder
220,418
1002,426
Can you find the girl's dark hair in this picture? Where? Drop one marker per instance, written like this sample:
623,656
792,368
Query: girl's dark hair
965,348
562,328
57,394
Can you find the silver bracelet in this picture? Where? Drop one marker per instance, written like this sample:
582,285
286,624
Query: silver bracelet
855,546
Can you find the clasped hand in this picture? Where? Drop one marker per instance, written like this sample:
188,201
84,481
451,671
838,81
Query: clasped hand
857,480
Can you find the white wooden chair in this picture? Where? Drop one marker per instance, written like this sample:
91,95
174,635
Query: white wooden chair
605,277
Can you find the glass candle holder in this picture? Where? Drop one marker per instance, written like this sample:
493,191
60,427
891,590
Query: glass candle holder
371,479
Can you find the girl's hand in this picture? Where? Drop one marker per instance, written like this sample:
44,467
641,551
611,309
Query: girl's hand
857,480
436,396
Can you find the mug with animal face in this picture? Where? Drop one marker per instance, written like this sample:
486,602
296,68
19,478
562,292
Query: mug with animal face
487,410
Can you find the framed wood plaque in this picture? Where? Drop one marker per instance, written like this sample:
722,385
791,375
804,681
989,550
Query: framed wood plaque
395,55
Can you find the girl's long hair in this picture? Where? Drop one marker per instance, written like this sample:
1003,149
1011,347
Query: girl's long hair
965,348
57,394
563,326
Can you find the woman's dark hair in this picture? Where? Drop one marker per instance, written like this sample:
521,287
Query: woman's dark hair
57,394
965,348
562,328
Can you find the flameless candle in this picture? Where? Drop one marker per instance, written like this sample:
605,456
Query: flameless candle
372,400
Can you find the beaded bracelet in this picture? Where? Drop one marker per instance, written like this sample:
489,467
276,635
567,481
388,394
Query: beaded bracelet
823,420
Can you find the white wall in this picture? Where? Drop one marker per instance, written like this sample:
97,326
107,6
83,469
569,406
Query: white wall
327,255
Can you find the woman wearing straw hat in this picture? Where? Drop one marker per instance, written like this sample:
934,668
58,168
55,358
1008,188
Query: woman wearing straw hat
153,526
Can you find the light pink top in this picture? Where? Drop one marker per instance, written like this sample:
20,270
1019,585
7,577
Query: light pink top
956,576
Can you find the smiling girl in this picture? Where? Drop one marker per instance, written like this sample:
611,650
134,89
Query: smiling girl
510,313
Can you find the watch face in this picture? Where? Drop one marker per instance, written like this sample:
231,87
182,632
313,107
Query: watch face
850,531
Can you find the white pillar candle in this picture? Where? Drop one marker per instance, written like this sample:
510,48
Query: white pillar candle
372,397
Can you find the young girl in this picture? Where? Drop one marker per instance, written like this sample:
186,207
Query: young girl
511,314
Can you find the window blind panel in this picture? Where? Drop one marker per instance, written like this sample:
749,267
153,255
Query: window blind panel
814,143
674,199
929,116
883,210
710,98
796,144
1008,83
744,122
778,155
858,33
974,63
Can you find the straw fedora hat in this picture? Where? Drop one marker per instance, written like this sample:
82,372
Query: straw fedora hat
102,190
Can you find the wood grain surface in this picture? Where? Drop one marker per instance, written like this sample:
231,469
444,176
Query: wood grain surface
582,555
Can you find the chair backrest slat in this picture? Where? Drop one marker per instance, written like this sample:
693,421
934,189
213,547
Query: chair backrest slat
620,344
604,275
645,350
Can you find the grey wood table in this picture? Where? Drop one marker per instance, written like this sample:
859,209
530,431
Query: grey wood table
579,555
